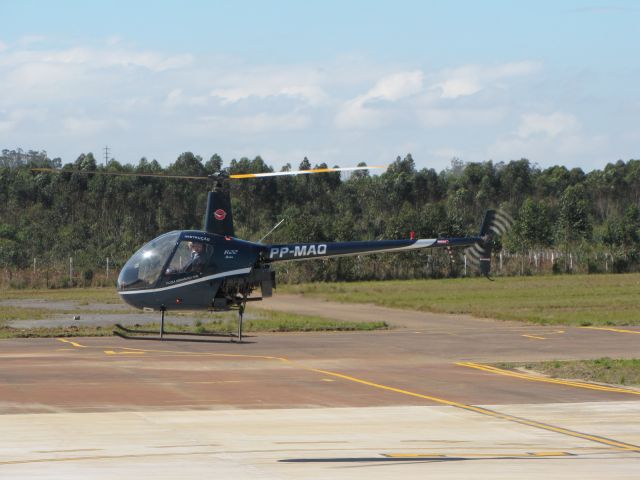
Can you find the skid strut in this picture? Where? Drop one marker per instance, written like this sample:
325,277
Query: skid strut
162,310
241,308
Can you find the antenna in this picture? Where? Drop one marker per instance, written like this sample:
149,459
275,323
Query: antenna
271,231
106,155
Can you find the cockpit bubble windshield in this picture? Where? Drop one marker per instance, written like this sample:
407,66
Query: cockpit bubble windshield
144,268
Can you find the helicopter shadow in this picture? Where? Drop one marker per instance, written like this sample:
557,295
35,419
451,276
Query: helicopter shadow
183,337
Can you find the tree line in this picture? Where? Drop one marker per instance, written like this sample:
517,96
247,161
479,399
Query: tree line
572,220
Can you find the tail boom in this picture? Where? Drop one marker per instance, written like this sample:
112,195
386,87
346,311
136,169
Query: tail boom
306,251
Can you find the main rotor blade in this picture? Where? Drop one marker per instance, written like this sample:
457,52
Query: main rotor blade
118,174
300,172
188,177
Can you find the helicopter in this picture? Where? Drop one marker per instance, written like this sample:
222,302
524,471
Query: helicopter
211,269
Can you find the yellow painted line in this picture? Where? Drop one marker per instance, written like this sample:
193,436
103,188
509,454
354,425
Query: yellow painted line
491,413
102,457
550,454
533,378
442,401
112,352
75,344
479,455
415,455
535,337
619,330
214,382
203,354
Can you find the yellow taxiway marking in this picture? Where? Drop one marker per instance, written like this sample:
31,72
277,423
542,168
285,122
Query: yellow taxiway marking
126,352
75,344
486,411
441,401
479,455
534,337
619,330
215,382
532,378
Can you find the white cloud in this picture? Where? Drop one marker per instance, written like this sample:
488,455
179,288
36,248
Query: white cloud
458,87
361,112
177,98
354,114
471,79
114,40
94,58
552,125
344,111
302,83
457,116
554,138
430,90
29,40
247,124
25,117
85,125
447,153
396,86
6,126
549,150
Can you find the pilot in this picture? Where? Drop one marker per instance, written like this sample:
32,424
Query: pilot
197,261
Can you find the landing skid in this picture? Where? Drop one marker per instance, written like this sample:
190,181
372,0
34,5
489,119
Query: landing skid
135,334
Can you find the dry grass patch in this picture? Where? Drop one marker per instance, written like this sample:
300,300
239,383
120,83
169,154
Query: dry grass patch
601,370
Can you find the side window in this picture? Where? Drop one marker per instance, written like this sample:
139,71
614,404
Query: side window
190,257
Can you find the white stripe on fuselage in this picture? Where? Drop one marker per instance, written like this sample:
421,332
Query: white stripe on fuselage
422,243
229,273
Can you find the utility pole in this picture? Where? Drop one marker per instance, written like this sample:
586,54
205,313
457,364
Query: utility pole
106,155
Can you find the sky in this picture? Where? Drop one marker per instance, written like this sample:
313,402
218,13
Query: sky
340,82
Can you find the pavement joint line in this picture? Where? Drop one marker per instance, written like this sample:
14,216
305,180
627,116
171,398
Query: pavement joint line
619,330
492,413
524,376
471,408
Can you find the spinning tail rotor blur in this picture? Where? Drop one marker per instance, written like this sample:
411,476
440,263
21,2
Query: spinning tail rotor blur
496,222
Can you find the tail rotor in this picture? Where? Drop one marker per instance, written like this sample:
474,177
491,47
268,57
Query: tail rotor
496,222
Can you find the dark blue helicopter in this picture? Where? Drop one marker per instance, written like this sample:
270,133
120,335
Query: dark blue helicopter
212,270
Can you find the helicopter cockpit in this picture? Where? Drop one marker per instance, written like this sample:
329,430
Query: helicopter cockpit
173,256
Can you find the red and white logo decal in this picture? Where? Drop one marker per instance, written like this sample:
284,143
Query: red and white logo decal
220,214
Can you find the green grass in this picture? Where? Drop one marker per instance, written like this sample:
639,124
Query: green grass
562,299
267,322
9,313
54,332
602,370
84,296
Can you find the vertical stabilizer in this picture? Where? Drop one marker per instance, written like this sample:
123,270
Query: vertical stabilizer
218,218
